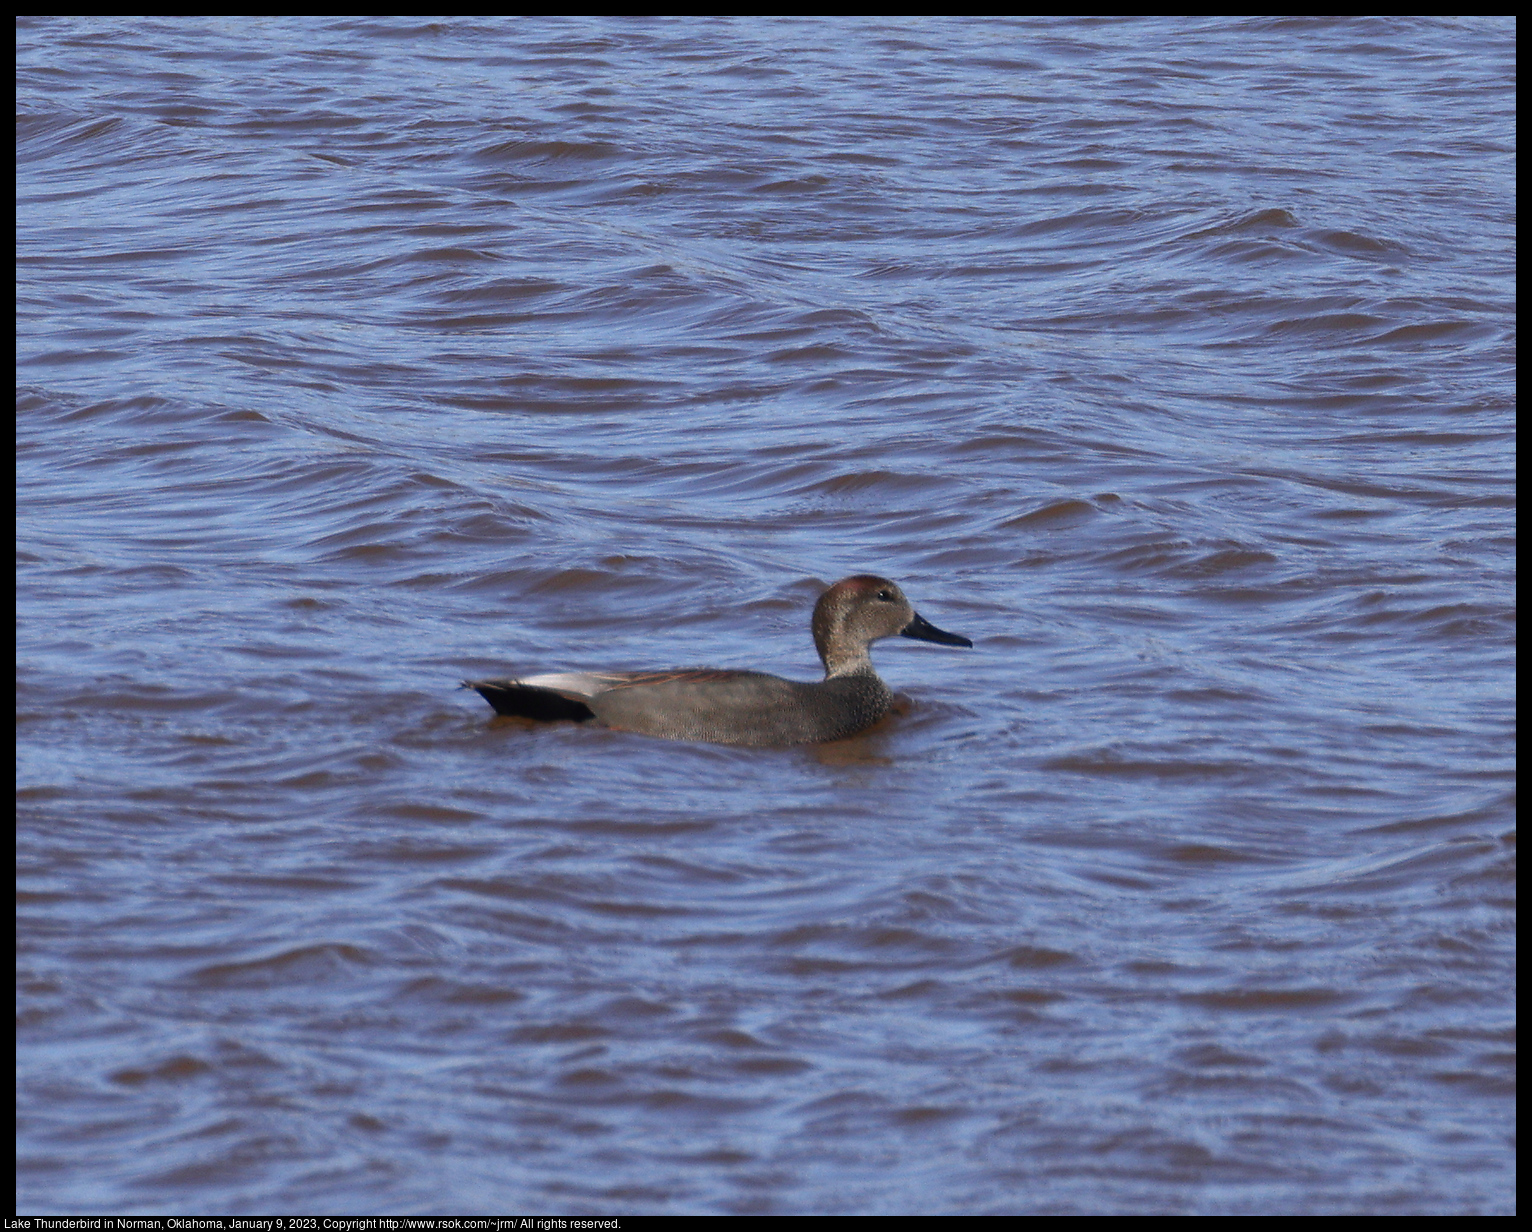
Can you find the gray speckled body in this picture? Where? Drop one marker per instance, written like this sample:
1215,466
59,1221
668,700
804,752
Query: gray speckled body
746,708
738,707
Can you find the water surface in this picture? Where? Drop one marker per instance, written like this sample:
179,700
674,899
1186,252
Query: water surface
1167,359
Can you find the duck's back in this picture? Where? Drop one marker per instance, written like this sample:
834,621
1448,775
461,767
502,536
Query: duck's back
749,708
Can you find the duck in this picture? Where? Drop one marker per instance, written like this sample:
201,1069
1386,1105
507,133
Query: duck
727,706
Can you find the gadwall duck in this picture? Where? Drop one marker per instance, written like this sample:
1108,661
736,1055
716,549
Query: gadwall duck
737,707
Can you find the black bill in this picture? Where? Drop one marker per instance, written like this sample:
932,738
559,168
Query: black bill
922,630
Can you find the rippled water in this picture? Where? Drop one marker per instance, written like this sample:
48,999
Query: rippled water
1169,360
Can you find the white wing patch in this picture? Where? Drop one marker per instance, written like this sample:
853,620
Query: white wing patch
582,684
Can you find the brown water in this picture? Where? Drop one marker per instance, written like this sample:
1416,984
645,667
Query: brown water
1168,360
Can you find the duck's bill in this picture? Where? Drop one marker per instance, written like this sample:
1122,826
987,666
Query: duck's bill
922,630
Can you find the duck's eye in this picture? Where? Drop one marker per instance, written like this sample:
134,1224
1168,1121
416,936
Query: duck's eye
886,595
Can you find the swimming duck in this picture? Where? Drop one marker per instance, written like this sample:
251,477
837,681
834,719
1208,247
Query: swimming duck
742,707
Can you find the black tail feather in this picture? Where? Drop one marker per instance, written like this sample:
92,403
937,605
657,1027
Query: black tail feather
523,701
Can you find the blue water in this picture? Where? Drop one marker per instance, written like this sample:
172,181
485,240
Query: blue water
1168,359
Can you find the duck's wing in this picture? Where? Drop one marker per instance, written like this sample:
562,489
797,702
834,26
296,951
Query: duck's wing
565,695
607,681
